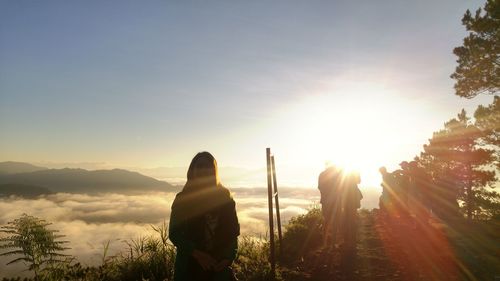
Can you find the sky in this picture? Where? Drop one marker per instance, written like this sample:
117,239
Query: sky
148,84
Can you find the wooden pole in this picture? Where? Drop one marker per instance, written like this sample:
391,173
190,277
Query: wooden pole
276,199
271,220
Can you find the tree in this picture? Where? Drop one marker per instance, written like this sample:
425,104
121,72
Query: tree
488,121
456,161
29,238
478,70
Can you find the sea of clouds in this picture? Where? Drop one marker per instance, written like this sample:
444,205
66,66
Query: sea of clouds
90,221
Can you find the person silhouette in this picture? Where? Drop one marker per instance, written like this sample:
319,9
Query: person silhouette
393,200
204,225
385,200
328,184
351,203
401,190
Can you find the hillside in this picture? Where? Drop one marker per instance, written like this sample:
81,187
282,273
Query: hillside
84,181
11,167
22,190
393,249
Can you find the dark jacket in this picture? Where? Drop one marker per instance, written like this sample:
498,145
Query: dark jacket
187,231
328,183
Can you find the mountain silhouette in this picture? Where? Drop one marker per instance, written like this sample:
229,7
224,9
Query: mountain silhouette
22,190
11,167
84,181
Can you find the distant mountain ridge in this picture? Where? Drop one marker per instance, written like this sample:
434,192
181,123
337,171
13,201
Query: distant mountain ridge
80,180
11,167
22,190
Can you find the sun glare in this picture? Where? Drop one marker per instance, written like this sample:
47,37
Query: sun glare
355,131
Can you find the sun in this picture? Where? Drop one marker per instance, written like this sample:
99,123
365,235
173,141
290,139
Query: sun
353,131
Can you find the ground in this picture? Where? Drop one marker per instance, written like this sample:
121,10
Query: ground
395,249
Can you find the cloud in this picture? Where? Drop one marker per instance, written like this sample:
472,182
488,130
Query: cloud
104,208
90,221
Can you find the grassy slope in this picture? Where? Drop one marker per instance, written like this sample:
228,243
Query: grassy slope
386,250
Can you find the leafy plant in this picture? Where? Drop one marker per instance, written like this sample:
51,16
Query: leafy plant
35,245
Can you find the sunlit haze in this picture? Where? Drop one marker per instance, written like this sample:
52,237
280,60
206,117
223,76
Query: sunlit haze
143,86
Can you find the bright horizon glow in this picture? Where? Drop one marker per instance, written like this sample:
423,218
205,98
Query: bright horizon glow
358,132
150,85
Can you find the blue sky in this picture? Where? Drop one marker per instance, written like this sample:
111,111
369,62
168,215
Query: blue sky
150,83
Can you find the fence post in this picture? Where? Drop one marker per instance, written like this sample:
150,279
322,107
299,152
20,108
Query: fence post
271,220
276,199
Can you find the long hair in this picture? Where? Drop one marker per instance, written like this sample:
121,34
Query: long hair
202,173
203,191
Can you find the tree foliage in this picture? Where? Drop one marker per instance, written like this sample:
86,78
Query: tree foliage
478,70
28,239
457,161
488,121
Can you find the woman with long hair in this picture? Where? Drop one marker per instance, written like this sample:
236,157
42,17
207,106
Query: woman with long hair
203,225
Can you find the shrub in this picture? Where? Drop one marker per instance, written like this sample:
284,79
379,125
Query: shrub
302,234
28,238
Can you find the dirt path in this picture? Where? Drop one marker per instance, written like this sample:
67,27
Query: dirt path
386,250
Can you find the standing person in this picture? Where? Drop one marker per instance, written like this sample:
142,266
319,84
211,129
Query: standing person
203,225
328,183
402,190
386,201
351,203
